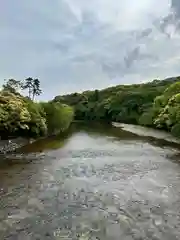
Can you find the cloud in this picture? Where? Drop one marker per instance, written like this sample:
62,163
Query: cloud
170,24
76,45
175,5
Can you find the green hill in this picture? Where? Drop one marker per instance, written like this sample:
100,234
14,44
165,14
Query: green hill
155,104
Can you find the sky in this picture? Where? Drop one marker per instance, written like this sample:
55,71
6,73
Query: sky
75,45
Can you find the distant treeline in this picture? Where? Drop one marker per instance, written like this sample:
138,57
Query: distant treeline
154,104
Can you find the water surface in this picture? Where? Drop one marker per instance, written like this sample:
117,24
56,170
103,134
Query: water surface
95,183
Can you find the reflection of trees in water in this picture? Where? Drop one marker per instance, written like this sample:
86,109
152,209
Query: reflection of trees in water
111,131
175,157
53,142
161,142
93,129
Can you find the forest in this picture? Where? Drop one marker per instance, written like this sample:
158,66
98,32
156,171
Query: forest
154,104
21,115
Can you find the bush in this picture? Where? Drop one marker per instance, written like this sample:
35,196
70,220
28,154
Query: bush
58,116
22,116
175,130
14,115
37,124
146,119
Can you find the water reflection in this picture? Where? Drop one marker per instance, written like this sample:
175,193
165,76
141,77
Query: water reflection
94,129
45,144
95,182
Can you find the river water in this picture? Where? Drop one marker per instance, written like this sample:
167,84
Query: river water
96,182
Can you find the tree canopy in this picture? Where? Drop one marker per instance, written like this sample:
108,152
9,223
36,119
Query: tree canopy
20,115
154,104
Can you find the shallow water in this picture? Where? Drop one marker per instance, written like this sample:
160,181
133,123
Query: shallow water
96,183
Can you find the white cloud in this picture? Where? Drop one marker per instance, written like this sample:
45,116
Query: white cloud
73,45
128,14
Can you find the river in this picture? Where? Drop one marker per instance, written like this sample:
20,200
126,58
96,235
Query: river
97,182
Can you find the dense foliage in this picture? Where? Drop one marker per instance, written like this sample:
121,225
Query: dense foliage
58,116
154,104
22,116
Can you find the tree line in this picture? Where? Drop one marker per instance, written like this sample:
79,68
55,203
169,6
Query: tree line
154,104
20,115
30,84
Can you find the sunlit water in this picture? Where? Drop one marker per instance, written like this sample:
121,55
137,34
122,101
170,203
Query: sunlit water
98,183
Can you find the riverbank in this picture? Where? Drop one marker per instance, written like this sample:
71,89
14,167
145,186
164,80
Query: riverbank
11,145
22,117
147,132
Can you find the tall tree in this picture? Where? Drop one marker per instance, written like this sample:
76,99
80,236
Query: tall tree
33,86
28,85
36,91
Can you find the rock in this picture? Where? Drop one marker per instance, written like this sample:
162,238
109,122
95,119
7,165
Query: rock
9,146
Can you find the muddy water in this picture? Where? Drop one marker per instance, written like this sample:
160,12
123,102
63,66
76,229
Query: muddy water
96,183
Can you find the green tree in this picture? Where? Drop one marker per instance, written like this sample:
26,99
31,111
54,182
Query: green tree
167,107
22,116
58,116
14,115
147,118
135,104
28,84
33,86
37,124
12,86
36,91
172,89
175,130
